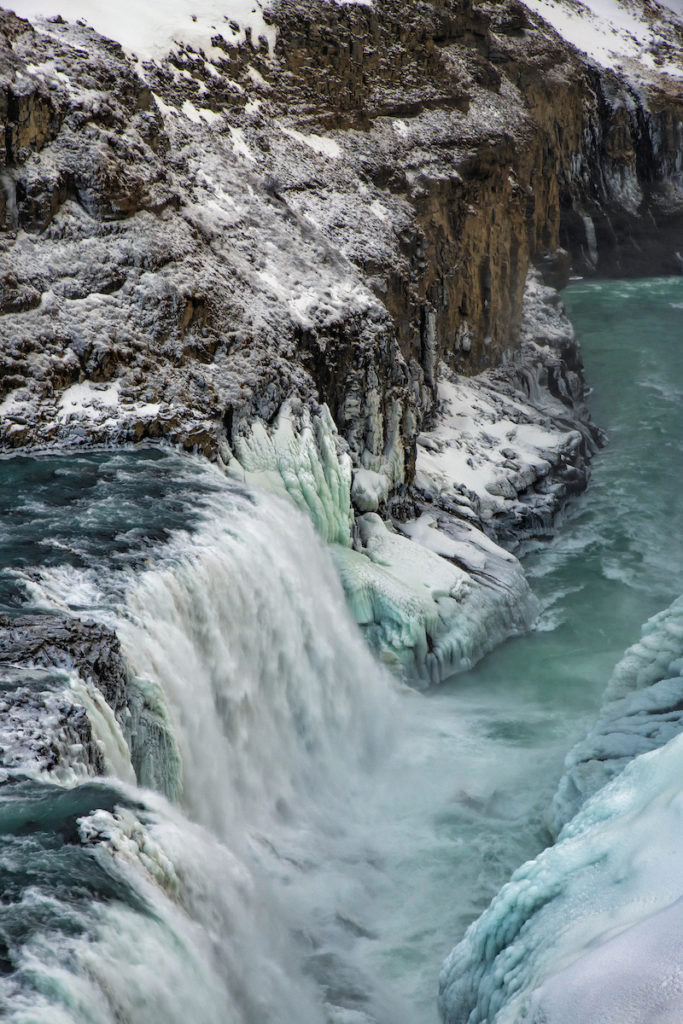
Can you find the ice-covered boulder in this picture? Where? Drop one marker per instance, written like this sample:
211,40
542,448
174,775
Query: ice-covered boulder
426,602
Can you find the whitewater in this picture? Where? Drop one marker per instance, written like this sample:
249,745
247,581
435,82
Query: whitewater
286,830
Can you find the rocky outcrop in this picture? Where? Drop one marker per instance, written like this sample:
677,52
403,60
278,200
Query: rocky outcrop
71,707
48,641
510,446
189,242
45,726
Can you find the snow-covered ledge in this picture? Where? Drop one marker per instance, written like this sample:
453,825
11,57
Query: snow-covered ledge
435,592
430,604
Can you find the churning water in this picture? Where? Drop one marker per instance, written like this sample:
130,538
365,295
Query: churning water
311,838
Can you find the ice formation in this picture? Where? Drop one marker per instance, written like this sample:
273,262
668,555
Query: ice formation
643,710
420,608
302,462
429,608
591,929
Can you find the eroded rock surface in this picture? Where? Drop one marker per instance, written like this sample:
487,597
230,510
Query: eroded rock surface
50,670
329,213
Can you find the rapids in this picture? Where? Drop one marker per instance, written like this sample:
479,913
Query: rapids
309,837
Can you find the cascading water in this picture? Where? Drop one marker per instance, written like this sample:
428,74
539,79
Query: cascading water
307,838
240,631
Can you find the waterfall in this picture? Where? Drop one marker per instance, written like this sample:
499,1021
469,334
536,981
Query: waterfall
269,686
236,903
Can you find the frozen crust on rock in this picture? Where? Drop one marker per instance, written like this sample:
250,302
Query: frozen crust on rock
643,710
430,601
591,929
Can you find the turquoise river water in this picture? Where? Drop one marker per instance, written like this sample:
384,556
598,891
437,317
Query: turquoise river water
311,839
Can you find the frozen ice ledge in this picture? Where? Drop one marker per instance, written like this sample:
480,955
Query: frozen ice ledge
426,566
422,535
591,929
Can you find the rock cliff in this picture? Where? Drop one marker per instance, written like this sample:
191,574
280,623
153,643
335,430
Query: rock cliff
329,213
332,216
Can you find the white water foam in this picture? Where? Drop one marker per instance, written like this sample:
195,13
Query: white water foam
279,711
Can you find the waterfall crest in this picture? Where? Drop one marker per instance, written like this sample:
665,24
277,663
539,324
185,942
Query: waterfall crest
246,661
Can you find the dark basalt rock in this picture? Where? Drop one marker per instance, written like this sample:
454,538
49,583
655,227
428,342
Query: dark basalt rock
143,223
41,726
67,643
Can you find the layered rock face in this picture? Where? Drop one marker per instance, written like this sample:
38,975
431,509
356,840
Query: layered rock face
329,238
326,214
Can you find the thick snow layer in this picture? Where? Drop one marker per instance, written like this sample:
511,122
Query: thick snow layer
592,929
151,30
609,31
487,448
369,489
643,710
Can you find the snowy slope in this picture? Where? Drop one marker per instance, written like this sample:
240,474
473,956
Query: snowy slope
151,30
616,33
608,31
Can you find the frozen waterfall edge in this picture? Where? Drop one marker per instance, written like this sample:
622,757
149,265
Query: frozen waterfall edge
590,929
424,563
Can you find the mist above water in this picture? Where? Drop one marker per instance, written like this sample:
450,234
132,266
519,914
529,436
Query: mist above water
333,833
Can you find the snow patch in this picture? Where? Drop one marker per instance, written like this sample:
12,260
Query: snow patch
257,78
13,404
191,112
380,212
152,30
239,144
165,109
88,400
321,144
608,31
485,447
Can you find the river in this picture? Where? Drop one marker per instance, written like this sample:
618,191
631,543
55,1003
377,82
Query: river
314,837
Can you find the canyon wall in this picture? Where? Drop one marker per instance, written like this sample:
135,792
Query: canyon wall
326,215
